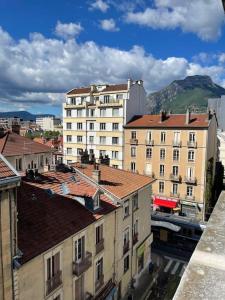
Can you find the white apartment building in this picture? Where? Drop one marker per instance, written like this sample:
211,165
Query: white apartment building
49,123
94,116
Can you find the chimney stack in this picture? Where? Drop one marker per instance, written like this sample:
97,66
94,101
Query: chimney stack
188,116
129,81
96,174
162,116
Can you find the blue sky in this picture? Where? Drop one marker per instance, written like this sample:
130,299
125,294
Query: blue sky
48,47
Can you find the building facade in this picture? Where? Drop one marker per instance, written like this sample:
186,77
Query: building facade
179,151
49,123
93,119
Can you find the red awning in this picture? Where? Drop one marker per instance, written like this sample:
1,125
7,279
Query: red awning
170,203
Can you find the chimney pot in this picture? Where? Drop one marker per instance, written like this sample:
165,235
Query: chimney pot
96,174
188,116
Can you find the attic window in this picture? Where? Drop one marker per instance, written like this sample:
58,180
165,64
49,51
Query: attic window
96,202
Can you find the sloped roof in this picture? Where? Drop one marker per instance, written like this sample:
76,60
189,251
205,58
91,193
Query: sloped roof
171,121
6,170
12,144
109,88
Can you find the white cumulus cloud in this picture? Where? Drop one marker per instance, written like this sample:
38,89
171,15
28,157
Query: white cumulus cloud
201,17
68,30
108,25
100,5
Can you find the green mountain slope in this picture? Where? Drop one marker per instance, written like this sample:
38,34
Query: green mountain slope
192,92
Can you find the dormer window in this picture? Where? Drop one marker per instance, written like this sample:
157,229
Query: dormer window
96,202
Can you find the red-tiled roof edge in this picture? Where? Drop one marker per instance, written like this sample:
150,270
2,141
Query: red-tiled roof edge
10,167
88,88
4,139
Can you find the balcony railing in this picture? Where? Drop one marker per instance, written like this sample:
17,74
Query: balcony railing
176,178
83,265
99,246
126,247
133,141
177,144
99,283
192,144
135,238
190,180
149,142
54,282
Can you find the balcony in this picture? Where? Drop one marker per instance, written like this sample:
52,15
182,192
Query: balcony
175,178
135,238
192,144
190,198
126,247
54,282
83,265
149,142
175,195
133,141
190,180
177,144
99,283
99,246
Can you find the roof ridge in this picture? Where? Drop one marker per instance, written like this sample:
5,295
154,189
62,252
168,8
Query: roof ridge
5,138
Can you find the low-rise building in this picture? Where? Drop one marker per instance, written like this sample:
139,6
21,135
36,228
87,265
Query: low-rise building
93,119
49,123
180,152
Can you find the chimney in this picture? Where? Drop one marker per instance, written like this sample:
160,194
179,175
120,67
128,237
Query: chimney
129,81
93,87
188,116
16,128
162,115
96,174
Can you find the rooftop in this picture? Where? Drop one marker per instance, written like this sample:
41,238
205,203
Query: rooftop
204,276
170,121
12,144
45,210
6,170
108,88
118,182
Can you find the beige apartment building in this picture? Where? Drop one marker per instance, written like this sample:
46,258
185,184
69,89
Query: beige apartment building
83,234
179,151
93,119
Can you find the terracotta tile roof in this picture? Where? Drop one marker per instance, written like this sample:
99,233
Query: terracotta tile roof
118,182
12,144
5,170
174,121
109,88
47,220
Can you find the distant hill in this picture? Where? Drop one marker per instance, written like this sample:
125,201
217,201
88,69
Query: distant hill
25,115
192,92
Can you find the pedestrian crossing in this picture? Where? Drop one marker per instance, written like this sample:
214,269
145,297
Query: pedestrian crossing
174,266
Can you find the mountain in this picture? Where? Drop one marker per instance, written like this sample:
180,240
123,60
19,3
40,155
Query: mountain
192,92
25,115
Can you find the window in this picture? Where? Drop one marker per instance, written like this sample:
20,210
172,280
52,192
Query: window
19,164
148,152
69,151
133,166
191,155
106,99
190,172
115,112
135,201
115,140
175,188
68,112
126,241
91,139
79,138
126,208
133,151
176,136
99,233
126,264
69,161
133,135
119,96
68,126
115,154
175,170
69,138
92,112
53,270
189,191
191,136
149,136
102,126
102,140
91,126
79,112
99,269
102,152
161,187
163,137
176,154
96,202
42,160
80,249
102,112
162,154
115,126
79,151
79,126
161,170
148,169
